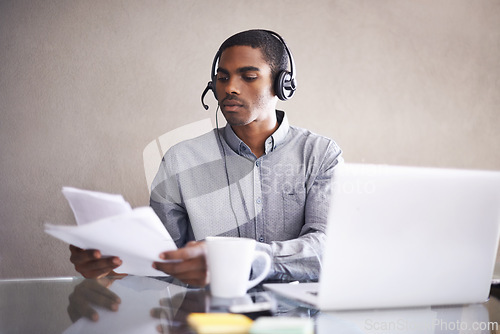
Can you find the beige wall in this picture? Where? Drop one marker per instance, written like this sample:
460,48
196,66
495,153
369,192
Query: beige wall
86,85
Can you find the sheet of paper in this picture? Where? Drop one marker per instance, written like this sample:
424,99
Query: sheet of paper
89,206
137,237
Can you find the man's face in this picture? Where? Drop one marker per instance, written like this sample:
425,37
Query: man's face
244,86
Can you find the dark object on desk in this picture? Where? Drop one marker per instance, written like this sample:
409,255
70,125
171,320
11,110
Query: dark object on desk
259,304
495,291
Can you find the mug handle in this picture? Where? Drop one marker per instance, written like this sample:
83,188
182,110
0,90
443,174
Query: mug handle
264,273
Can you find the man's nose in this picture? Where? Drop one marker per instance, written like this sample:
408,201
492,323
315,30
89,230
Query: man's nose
233,86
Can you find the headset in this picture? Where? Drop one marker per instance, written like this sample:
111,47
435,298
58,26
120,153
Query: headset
285,83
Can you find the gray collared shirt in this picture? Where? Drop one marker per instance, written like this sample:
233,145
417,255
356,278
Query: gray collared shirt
214,185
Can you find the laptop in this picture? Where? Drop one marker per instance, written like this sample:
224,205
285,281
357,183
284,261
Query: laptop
405,237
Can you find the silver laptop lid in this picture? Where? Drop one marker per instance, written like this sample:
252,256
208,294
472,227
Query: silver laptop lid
408,236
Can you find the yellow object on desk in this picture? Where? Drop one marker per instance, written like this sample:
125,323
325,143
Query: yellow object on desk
219,323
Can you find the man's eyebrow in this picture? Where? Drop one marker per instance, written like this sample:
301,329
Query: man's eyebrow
222,70
248,69
239,70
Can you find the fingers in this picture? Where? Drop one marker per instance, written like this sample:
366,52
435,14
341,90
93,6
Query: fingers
90,264
98,268
192,271
188,264
191,250
79,255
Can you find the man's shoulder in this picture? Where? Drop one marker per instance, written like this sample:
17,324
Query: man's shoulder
199,143
193,152
306,133
310,138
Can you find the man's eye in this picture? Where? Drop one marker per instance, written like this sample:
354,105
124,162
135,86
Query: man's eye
221,78
249,78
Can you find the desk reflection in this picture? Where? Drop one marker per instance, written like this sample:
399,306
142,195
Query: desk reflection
147,305
124,305
91,293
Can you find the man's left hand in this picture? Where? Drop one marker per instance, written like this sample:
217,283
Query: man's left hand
189,264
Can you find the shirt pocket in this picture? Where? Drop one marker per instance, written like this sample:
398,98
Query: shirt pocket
293,214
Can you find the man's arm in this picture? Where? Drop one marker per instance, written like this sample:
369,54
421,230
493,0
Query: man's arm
188,263
166,201
297,259
300,258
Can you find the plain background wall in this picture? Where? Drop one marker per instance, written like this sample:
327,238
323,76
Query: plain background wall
86,85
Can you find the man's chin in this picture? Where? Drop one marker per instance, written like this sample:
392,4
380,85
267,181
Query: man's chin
234,119
235,123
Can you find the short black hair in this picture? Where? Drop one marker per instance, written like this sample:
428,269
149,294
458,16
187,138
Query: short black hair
272,48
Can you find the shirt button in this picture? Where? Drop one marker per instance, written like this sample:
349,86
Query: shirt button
261,239
257,163
258,200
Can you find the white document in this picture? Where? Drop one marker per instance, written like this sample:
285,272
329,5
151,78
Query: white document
136,236
89,206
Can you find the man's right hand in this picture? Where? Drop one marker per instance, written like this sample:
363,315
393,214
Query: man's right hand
90,264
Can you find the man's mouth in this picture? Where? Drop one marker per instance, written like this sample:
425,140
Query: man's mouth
231,105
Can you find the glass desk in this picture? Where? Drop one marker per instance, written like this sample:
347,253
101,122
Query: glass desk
148,305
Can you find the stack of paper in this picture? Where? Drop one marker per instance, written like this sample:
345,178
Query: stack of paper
89,206
107,222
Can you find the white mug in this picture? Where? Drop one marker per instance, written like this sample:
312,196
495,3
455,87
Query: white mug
229,263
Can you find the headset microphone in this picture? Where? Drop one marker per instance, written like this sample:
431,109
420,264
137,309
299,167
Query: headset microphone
209,87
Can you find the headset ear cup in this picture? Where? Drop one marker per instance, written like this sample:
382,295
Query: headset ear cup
283,86
279,86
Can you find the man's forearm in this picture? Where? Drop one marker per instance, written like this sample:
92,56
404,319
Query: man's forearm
297,259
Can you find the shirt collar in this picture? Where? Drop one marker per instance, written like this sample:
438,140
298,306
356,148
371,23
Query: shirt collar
272,141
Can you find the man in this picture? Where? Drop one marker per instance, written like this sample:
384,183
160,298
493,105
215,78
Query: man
258,177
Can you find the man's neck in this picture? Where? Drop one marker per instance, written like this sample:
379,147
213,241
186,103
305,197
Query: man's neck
256,133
